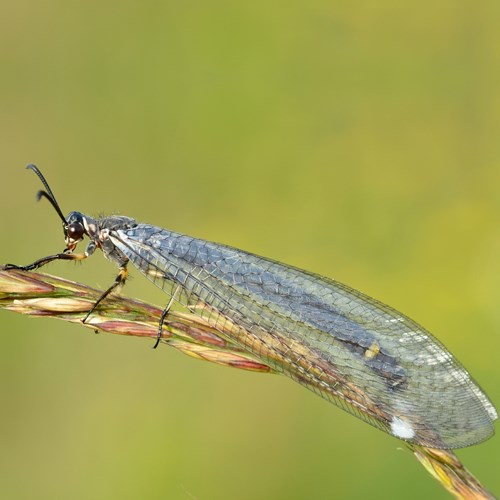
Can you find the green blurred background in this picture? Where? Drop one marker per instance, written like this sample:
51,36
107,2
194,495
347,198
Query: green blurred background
361,143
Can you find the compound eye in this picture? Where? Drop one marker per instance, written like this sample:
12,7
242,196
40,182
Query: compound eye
75,231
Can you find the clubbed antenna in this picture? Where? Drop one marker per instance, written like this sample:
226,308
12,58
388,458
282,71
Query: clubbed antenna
48,193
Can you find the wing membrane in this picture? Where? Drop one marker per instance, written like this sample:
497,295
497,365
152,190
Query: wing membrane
362,355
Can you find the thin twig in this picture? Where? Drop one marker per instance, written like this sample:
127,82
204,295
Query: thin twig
44,295
38,294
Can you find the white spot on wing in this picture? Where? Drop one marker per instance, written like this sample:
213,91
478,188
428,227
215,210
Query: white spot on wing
401,429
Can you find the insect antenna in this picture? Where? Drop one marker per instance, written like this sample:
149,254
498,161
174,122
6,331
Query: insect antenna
48,193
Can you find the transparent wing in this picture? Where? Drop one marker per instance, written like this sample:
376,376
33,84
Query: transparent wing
362,355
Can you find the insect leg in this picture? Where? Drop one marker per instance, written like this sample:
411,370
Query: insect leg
45,260
164,315
66,255
119,280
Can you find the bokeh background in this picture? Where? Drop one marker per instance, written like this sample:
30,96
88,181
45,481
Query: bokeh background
361,143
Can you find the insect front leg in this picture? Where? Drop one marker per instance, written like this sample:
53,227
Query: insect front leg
66,255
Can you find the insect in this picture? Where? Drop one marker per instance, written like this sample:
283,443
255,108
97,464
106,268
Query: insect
352,350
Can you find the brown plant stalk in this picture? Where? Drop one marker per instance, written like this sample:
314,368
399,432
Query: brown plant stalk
37,294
